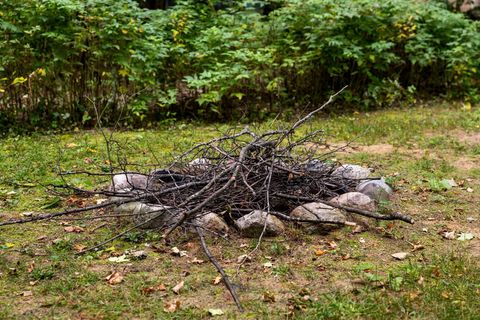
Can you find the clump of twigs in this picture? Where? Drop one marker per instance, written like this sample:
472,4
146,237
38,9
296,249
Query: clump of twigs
235,174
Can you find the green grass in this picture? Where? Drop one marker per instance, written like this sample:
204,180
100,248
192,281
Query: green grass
357,280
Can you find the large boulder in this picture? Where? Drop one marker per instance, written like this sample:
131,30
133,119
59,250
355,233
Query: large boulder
352,172
252,224
377,190
211,222
317,211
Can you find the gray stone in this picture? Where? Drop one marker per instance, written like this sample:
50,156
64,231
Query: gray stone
139,255
377,190
125,182
252,224
200,164
211,221
317,211
355,200
126,208
163,216
318,165
352,171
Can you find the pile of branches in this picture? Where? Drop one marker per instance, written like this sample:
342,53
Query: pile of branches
235,174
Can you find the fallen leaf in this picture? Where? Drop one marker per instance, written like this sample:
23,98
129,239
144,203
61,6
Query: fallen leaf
217,279
361,240
178,252
178,287
79,247
421,280
445,295
73,229
358,229
470,190
268,264
215,312
268,296
400,255
332,245
32,283
149,290
320,252
416,247
465,236
197,261
31,267
171,307
244,258
71,145
115,277
27,293
120,259
449,235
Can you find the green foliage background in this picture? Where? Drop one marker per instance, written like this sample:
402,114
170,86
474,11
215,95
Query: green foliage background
68,62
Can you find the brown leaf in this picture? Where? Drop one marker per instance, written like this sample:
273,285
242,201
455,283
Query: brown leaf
75,201
178,287
320,252
78,247
149,290
31,267
217,279
332,245
268,296
115,277
74,229
417,247
171,307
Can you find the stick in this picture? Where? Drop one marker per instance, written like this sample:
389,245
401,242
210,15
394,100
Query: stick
219,268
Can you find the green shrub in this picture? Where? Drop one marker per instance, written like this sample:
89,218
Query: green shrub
66,62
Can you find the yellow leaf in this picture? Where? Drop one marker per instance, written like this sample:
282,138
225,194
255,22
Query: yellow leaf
124,31
41,72
123,72
19,80
467,106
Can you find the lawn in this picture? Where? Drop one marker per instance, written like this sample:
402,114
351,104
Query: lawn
342,275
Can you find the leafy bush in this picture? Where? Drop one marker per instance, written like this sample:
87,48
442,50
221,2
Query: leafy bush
69,62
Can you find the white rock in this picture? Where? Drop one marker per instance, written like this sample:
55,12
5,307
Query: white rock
211,221
126,182
200,164
252,224
400,255
377,190
352,171
317,211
